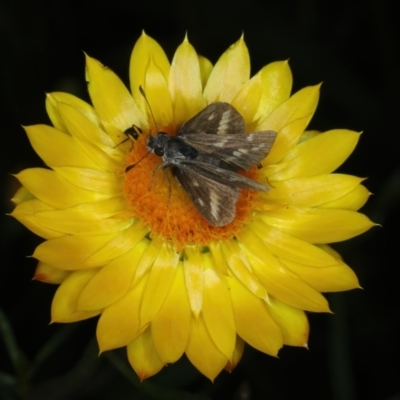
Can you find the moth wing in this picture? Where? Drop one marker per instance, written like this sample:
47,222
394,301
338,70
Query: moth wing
216,119
215,201
223,176
242,150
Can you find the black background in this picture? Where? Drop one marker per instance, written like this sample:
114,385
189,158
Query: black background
349,45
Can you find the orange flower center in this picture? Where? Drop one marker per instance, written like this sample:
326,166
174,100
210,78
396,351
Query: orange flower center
159,201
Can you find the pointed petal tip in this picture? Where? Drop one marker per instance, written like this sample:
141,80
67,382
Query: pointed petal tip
38,277
229,367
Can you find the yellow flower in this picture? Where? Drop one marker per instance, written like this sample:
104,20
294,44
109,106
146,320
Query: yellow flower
133,249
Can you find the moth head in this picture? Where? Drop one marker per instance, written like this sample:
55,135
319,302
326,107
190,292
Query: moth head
156,144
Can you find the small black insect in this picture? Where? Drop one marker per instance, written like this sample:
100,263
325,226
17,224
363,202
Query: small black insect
205,156
132,132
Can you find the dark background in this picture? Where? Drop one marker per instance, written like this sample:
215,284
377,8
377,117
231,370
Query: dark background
349,45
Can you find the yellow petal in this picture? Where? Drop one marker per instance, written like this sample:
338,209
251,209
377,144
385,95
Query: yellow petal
112,281
103,209
74,222
119,323
276,80
309,135
158,95
328,249
148,259
31,214
25,213
47,273
185,83
160,280
89,131
143,356
91,139
112,101
237,354
145,49
202,352
229,74
219,259
287,138
56,148
260,238
55,191
300,106
119,244
247,100
253,322
353,200
92,179
313,191
52,101
217,309
332,279
205,69
170,327
316,225
240,267
292,322
64,306
194,278
284,285
71,252
320,155
22,195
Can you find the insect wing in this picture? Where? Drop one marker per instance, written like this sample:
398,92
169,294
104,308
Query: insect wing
216,119
242,150
215,201
223,176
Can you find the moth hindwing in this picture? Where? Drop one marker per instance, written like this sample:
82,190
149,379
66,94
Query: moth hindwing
205,156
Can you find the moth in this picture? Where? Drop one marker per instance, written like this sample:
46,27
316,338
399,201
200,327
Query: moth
206,155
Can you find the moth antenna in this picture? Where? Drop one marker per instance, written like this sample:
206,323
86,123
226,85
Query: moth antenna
142,92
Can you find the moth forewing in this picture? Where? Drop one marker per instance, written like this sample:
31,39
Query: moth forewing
224,176
242,150
215,201
215,119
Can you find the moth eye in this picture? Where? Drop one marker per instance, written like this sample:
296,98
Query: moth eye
158,151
